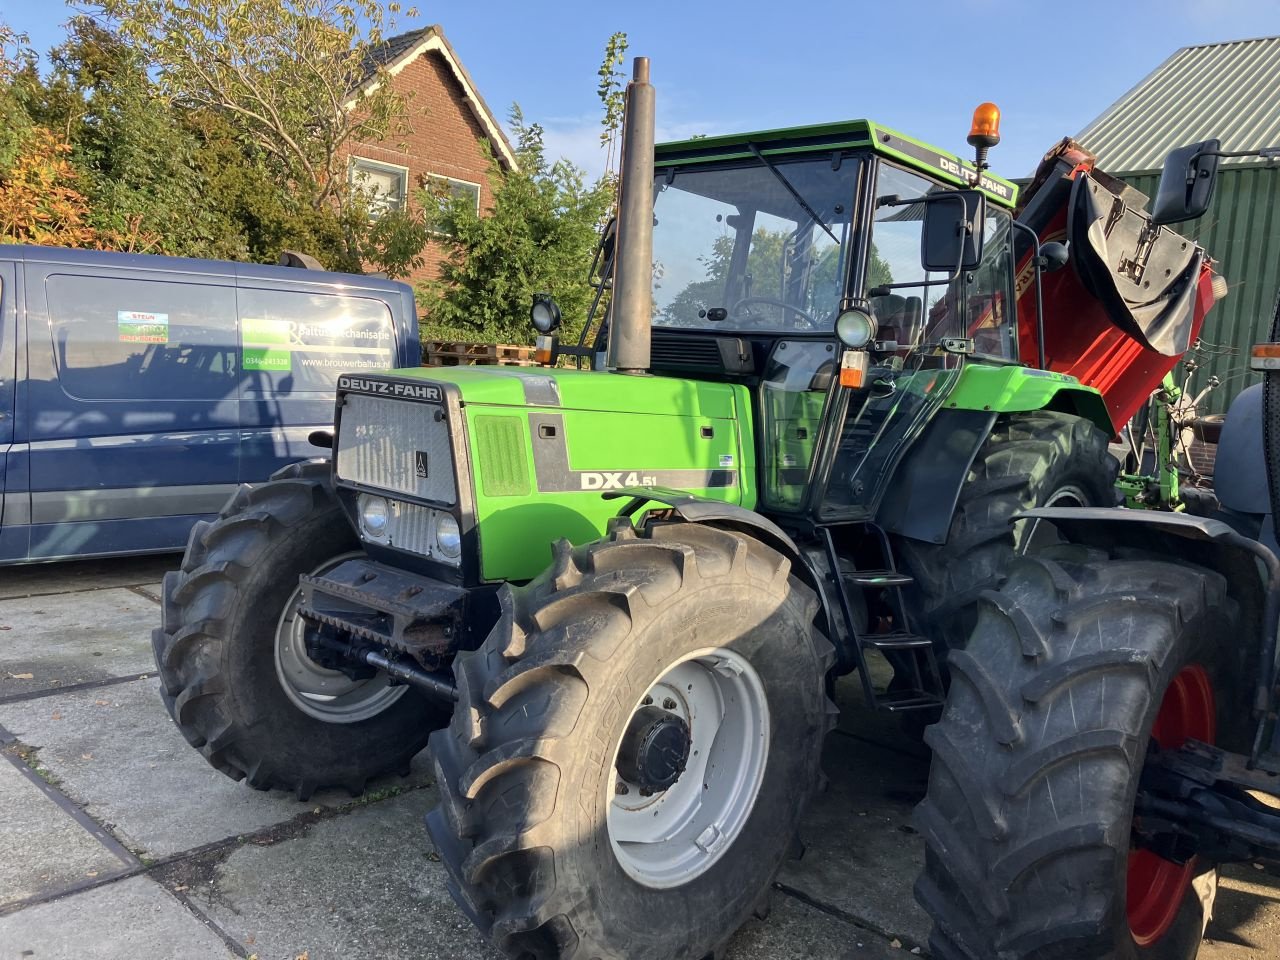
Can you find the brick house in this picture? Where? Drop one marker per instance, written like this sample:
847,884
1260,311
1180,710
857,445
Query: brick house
448,121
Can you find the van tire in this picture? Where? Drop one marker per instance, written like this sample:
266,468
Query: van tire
215,647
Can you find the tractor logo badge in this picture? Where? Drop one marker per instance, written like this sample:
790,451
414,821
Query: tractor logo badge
420,462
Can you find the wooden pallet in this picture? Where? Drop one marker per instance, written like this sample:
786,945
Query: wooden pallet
453,353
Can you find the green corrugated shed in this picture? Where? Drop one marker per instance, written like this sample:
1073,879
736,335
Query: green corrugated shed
1230,91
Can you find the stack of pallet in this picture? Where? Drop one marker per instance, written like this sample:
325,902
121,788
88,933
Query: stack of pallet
453,353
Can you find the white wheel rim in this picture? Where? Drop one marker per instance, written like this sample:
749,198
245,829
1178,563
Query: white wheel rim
324,694
671,837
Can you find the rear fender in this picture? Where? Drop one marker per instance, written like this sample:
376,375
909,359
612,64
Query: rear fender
1251,570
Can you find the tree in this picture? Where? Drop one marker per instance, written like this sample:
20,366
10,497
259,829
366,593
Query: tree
538,236
294,80
611,91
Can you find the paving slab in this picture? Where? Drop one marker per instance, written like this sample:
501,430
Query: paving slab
67,577
1246,922
132,919
115,751
55,641
796,931
44,849
357,887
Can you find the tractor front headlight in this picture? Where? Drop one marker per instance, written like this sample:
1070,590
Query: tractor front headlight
448,536
856,328
374,515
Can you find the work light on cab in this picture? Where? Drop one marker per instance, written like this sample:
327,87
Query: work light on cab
984,132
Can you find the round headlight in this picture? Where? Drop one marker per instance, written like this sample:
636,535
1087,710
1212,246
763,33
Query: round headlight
448,537
855,328
545,313
374,514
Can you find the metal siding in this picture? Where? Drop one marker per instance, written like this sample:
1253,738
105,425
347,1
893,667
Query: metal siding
1225,90
1241,232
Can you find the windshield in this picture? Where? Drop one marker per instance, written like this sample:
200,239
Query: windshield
754,247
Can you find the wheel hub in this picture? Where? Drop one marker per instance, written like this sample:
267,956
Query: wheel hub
654,750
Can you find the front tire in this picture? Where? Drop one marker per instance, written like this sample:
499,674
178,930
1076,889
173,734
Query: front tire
1037,459
543,803
232,662
1078,665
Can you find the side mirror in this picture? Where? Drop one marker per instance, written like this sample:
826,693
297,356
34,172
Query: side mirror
1186,183
951,241
1054,256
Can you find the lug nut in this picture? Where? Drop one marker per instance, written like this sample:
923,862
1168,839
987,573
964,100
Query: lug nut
621,789
647,701
668,704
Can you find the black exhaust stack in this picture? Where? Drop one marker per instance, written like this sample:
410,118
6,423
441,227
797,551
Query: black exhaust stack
632,311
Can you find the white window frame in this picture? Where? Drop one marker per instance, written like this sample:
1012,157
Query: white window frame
376,209
428,177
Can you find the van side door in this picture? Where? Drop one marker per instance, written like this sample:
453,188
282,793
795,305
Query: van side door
296,338
134,420
12,539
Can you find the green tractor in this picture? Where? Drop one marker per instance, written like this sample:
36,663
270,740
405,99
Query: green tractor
614,601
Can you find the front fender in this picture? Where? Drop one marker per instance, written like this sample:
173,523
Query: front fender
1013,389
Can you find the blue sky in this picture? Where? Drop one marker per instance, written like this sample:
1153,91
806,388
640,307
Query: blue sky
917,66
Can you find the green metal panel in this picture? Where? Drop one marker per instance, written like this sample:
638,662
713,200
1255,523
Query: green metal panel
546,444
1241,232
1011,389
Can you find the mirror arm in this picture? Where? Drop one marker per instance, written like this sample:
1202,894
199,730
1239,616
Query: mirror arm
1036,260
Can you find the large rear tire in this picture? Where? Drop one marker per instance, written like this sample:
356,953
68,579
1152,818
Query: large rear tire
1030,460
1078,665
234,673
545,821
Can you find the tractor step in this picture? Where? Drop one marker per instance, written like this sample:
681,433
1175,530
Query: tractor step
877,578
896,641
900,701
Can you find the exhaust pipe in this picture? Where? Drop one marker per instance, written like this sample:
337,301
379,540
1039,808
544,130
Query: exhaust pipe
632,312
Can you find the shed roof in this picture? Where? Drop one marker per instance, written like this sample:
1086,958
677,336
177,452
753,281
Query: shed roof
1226,90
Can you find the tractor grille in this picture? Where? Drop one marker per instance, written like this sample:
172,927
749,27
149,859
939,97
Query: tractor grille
396,445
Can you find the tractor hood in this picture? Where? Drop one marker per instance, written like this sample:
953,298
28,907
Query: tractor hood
583,390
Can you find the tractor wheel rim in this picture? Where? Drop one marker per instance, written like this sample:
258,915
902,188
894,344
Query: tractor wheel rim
318,692
666,838
1155,887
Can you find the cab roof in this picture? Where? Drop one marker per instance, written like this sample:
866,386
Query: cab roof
840,135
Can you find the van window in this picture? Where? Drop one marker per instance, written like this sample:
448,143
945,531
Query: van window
296,342
119,339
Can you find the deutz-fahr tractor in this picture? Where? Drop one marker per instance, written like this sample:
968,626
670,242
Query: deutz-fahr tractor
836,389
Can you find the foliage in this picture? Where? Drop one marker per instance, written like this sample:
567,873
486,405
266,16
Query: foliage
39,197
539,236
295,79
612,93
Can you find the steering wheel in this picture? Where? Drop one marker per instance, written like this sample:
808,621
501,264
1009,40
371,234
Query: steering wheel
747,301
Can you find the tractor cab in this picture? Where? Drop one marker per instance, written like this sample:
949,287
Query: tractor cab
844,272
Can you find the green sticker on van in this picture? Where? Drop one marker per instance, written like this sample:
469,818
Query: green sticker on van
270,344
267,358
137,326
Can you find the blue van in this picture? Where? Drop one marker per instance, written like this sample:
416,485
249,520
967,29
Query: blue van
137,392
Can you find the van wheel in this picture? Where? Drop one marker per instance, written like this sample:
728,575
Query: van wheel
233,667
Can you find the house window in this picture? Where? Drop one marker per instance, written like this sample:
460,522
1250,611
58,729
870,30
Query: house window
384,184
444,189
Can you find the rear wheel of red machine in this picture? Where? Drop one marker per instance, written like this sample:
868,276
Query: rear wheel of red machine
1080,666
1155,888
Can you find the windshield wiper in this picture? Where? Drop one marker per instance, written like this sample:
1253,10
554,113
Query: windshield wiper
795,194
